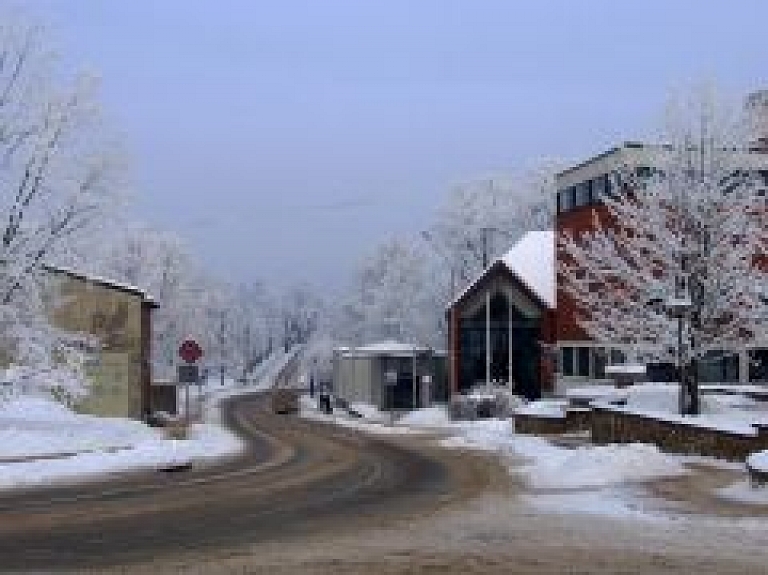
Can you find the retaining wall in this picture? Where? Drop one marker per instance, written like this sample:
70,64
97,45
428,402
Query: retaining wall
615,426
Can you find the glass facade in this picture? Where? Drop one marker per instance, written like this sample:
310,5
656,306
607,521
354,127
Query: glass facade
506,324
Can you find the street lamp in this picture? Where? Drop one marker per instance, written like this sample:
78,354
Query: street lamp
678,307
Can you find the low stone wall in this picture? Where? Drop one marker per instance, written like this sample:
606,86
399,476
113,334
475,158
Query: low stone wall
615,426
575,420
530,424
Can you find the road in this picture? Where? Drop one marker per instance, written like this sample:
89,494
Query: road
296,477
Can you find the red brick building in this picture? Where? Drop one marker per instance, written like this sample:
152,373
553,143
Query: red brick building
504,327
579,190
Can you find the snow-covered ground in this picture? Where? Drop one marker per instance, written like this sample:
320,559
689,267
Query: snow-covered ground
43,442
576,478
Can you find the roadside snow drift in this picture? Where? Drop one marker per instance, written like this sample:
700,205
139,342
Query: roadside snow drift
43,442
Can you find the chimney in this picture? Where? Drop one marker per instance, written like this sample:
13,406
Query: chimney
756,106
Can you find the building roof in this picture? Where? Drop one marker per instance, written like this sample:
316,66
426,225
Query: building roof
101,281
532,261
389,348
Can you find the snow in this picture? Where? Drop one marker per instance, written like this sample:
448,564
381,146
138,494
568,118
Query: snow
436,416
43,442
743,492
758,461
606,502
389,347
554,408
532,259
95,278
625,368
206,442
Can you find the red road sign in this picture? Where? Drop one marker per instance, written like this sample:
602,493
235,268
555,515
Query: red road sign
190,351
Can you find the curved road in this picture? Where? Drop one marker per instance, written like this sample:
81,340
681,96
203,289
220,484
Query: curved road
296,477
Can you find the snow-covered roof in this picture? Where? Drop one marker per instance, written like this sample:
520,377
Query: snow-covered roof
96,279
532,261
390,347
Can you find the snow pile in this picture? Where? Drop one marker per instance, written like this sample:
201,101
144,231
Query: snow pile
552,467
553,408
743,492
594,466
436,416
36,426
206,442
662,397
41,442
368,412
758,461
495,435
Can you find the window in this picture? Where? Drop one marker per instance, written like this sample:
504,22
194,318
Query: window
617,357
599,357
582,361
566,362
582,194
598,190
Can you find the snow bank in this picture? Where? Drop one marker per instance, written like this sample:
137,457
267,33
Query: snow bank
743,492
35,427
368,412
596,466
758,461
554,408
206,442
42,442
427,417
552,467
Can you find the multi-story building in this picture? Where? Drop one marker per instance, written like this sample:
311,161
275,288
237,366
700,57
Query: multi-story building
578,210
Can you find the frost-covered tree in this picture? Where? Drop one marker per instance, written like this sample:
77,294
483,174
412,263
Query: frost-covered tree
686,235
392,297
482,218
159,263
58,177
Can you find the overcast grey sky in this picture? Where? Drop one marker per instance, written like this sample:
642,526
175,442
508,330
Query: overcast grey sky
285,139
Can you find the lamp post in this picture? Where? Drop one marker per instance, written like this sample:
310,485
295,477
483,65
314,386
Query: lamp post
679,307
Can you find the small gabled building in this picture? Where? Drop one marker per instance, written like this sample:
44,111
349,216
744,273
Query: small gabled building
118,318
502,327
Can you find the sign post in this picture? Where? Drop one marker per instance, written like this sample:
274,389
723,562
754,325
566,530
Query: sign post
188,373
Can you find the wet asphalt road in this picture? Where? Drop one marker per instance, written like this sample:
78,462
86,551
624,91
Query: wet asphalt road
296,477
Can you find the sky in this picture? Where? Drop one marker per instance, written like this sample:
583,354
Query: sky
284,140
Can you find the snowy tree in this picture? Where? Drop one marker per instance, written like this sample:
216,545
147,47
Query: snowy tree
482,218
158,263
684,234
393,297
58,176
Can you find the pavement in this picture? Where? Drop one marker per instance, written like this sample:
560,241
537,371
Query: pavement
295,477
